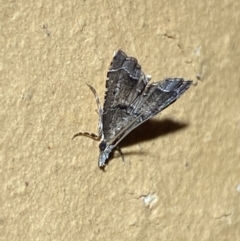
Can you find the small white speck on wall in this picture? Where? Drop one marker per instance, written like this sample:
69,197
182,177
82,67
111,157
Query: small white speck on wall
238,187
150,199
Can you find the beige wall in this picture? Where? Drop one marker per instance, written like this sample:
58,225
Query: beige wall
177,183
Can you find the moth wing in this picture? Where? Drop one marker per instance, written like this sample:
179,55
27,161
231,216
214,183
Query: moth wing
156,97
125,83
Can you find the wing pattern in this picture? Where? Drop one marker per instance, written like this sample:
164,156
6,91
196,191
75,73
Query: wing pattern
125,82
130,101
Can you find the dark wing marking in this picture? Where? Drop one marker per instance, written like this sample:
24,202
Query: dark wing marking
124,84
125,81
158,96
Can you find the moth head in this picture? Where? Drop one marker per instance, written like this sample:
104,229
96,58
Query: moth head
105,150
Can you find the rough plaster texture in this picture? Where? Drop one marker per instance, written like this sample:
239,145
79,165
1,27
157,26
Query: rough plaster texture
181,179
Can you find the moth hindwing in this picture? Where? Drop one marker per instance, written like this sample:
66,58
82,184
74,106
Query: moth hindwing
130,101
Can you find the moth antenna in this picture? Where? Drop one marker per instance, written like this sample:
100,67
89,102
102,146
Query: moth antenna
87,134
100,111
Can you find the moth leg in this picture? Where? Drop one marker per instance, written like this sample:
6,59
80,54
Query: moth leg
120,151
90,135
100,111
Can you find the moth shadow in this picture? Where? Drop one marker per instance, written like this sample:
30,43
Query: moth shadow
149,130
152,129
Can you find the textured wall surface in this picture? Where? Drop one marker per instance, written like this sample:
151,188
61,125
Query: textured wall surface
181,178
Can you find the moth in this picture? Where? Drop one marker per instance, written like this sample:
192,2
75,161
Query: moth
129,102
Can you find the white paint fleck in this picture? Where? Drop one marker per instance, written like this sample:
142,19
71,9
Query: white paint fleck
150,199
238,187
198,50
